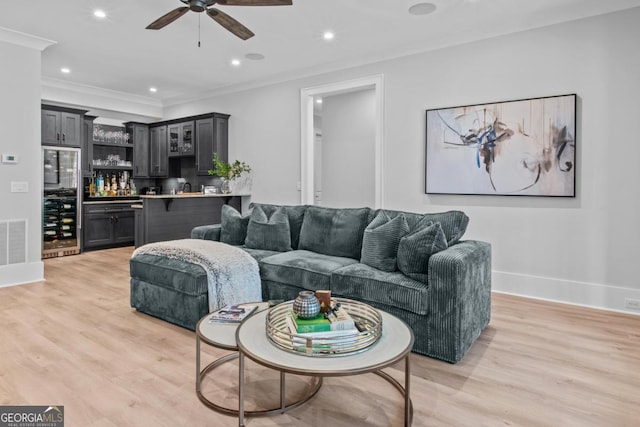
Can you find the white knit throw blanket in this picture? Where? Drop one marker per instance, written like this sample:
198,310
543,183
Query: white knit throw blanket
233,276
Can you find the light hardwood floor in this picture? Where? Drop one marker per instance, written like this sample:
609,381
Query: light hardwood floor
73,340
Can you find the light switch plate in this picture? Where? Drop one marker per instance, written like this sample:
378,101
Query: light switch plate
19,187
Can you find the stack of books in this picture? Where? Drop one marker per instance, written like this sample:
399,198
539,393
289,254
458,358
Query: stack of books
332,333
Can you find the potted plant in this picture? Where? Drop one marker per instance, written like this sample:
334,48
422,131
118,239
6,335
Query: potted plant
229,172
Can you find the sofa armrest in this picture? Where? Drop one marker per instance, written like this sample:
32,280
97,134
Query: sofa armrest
459,281
206,232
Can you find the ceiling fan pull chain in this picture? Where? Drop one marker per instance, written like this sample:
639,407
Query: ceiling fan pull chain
198,30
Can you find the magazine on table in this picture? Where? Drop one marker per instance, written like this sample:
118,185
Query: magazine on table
232,313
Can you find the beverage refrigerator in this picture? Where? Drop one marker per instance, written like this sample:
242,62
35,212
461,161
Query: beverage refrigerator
61,216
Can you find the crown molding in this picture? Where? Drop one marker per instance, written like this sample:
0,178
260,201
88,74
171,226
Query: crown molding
95,98
25,40
97,91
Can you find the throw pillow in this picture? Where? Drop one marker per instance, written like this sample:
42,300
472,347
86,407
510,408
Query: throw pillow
268,233
415,249
233,228
453,223
381,239
295,214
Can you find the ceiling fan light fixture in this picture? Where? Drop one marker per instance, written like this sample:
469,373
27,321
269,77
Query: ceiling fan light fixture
198,5
226,21
422,9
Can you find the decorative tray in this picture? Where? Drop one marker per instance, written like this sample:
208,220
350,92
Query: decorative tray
368,320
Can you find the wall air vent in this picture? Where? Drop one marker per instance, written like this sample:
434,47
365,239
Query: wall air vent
13,242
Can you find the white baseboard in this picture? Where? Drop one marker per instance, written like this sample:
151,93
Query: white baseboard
585,294
19,274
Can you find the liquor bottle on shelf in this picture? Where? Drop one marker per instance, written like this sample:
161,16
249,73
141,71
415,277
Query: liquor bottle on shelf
100,183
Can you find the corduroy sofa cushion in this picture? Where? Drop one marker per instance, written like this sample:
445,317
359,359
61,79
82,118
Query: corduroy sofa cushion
180,276
335,232
233,226
304,269
381,239
271,233
295,214
365,283
415,249
454,223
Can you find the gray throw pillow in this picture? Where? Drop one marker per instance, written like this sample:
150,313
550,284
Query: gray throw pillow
295,214
381,239
233,226
453,223
268,233
415,249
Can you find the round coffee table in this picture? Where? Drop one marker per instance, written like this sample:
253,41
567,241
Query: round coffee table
223,336
394,345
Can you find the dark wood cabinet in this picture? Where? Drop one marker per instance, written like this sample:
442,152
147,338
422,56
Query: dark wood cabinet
61,127
212,136
140,138
108,225
158,158
181,139
87,146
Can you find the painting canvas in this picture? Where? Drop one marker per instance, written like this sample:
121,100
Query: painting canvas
524,147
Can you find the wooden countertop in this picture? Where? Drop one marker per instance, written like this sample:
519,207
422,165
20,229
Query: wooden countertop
189,195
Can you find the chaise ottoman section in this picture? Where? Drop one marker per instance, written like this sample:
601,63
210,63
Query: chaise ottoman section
170,289
180,281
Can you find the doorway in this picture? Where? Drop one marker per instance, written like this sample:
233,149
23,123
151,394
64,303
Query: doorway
309,146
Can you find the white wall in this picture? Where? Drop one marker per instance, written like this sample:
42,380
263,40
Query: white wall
20,124
581,250
348,149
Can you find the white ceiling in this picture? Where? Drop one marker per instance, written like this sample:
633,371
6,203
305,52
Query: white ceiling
118,54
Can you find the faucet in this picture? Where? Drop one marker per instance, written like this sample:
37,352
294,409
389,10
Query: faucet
184,187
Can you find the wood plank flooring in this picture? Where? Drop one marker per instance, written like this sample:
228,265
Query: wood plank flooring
73,340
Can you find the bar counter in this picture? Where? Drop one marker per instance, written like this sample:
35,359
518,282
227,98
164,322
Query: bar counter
160,217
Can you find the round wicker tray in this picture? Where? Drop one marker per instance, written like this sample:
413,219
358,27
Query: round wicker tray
368,318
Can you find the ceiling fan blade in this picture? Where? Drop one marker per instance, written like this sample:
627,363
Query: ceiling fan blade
167,19
230,24
255,2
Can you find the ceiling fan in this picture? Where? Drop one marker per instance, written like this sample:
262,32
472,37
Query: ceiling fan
216,14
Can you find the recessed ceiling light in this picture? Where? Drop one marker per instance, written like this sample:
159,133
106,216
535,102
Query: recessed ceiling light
65,70
153,89
98,13
422,9
254,56
328,35
235,62
319,101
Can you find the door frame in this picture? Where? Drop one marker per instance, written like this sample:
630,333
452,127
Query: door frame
307,163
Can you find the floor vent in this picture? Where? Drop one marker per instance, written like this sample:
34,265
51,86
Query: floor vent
13,242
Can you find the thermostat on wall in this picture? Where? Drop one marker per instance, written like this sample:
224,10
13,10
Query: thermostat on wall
9,158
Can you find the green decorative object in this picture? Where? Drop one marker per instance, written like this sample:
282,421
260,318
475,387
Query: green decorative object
228,170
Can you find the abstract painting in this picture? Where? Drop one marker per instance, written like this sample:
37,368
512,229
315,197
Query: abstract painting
523,147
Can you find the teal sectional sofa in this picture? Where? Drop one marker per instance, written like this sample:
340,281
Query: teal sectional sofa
411,265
